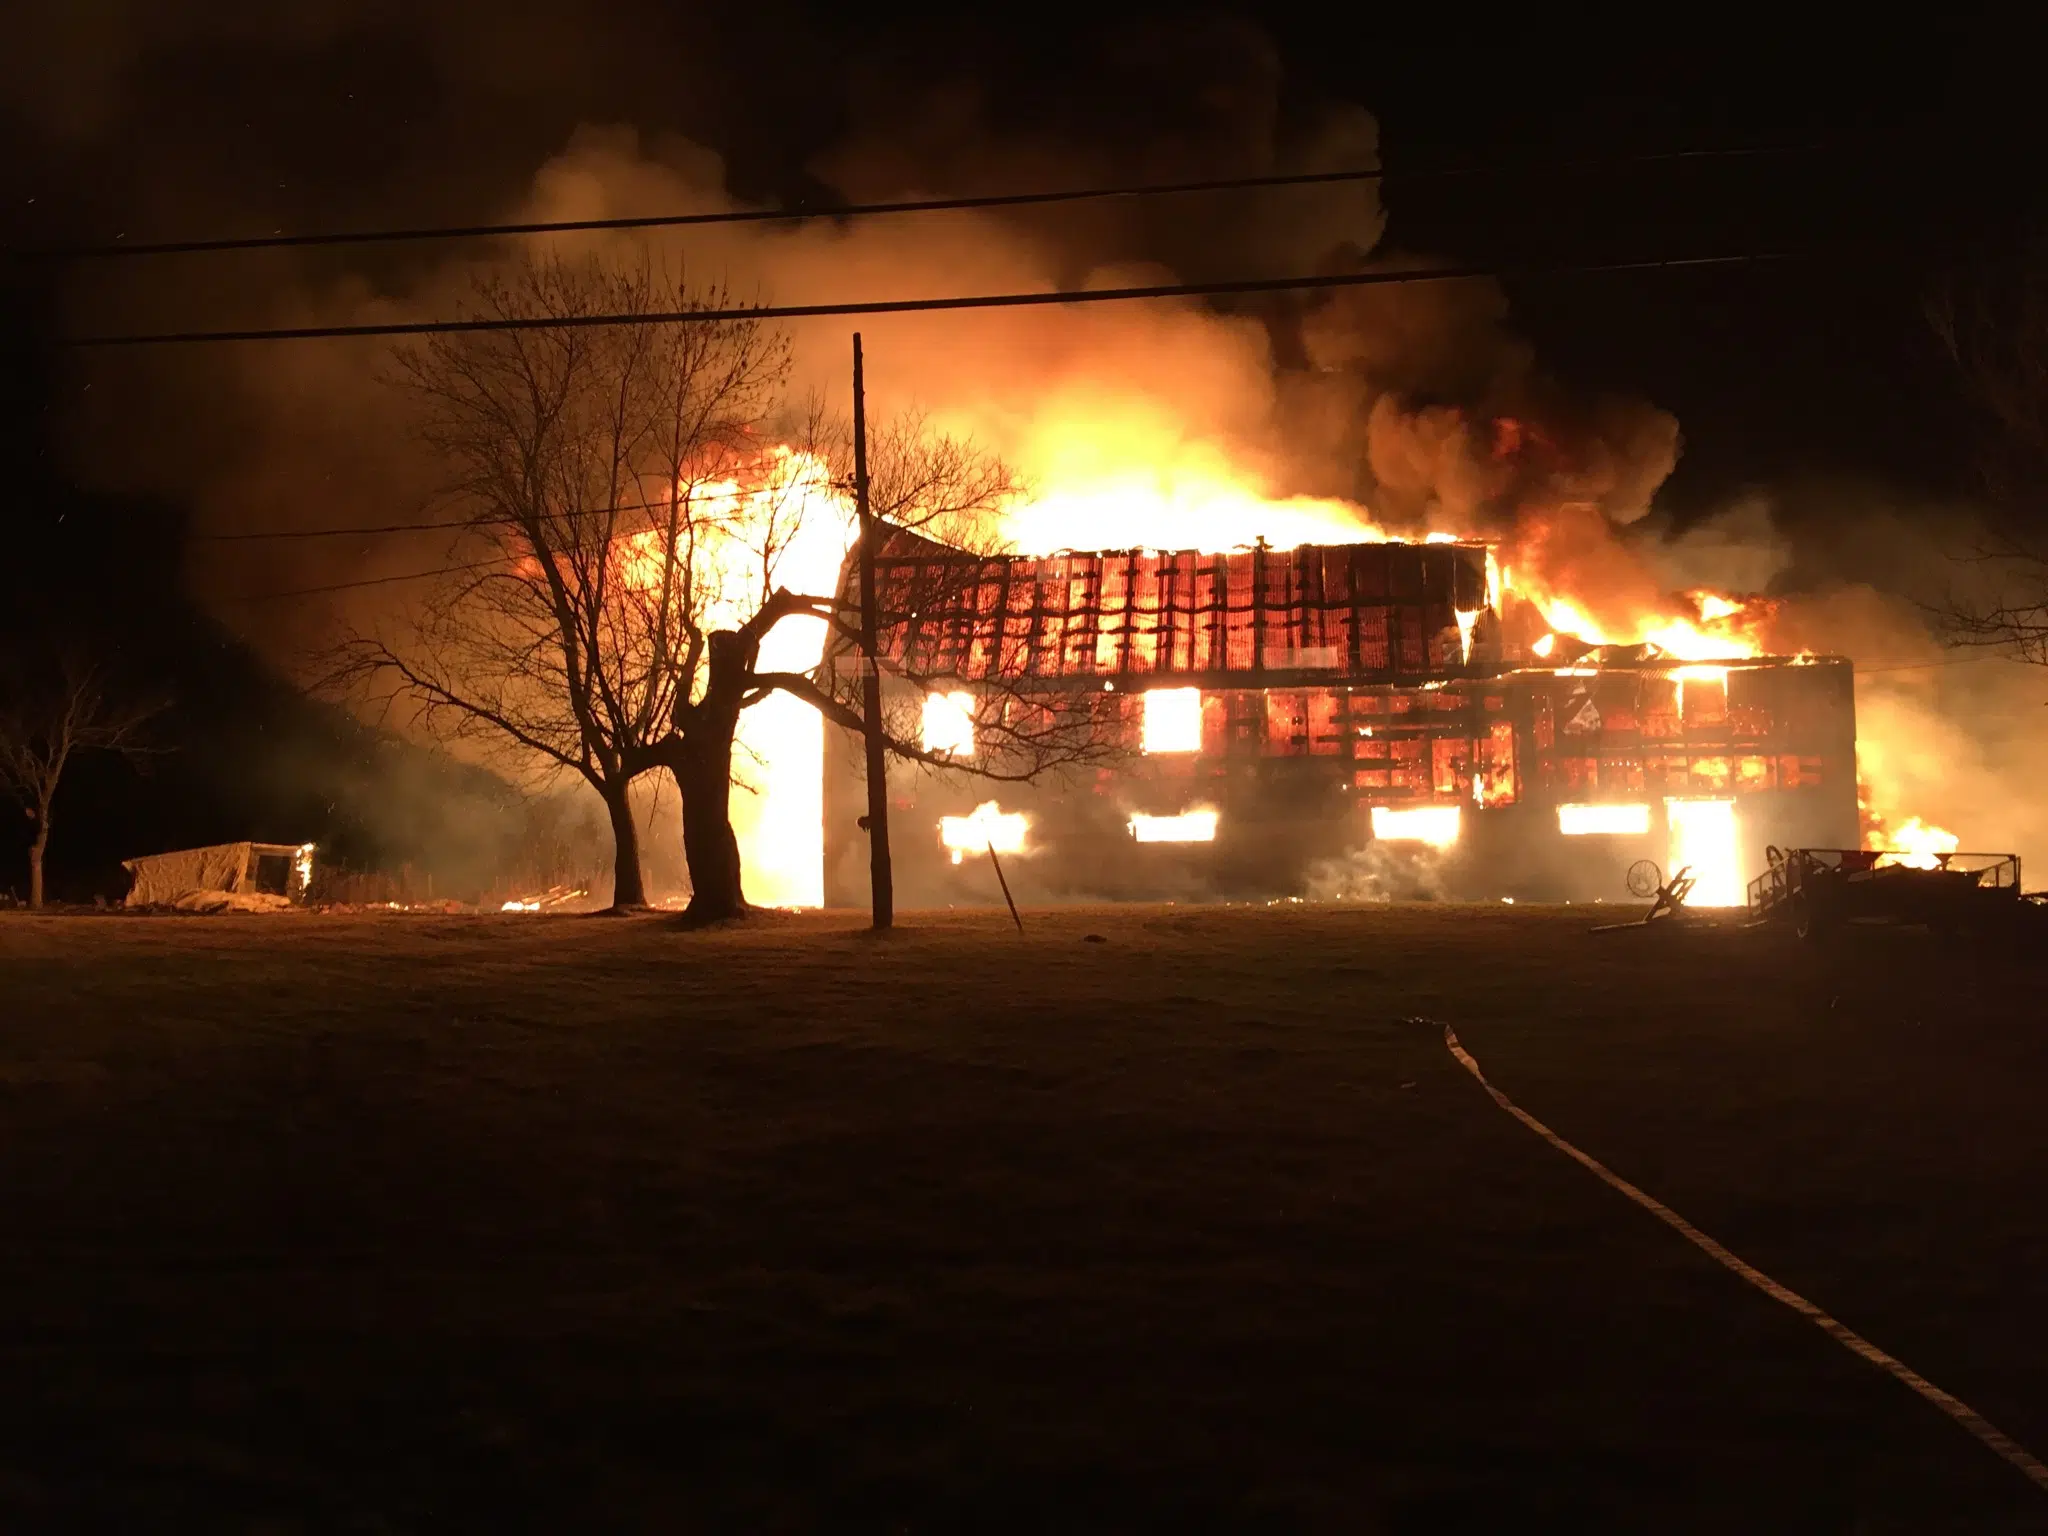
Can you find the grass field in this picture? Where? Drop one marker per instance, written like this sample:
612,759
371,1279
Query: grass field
320,1223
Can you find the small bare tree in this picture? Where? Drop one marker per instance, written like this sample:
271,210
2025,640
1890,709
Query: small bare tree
49,715
589,457
1992,320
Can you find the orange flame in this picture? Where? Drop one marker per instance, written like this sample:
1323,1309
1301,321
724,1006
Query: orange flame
1914,843
1699,626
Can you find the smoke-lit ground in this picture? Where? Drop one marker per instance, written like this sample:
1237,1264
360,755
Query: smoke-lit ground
345,1223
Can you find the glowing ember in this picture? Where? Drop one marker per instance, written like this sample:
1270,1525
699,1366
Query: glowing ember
1603,820
1544,646
1173,720
989,827
1436,825
949,723
1705,840
1918,845
1187,827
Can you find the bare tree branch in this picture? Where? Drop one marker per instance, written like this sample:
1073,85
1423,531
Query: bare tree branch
1992,320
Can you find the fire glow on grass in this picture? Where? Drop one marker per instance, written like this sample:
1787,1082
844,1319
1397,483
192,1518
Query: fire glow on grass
1436,825
1705,839
1187,827
1603,820
988,827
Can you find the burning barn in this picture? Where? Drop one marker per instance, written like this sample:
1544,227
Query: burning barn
1344,719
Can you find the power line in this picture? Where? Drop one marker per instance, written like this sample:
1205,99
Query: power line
329,533
117,250
368,581
1228,287
1927,666
474,522
443,570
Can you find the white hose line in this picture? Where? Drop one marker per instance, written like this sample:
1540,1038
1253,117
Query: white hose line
1841,1333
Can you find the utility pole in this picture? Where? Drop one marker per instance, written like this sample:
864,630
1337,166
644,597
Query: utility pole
881,877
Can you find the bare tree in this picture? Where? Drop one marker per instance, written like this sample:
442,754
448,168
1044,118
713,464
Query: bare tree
922,484
646,508
50,714
590,458
1991,318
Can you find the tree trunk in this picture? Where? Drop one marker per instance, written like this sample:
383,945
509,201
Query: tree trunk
629,888
704,775
35,865
701,759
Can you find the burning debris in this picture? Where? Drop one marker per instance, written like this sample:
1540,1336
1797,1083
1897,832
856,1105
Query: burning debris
1912,841
558,898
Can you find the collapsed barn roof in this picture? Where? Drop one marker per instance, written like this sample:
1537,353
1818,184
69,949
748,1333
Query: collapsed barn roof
1366,612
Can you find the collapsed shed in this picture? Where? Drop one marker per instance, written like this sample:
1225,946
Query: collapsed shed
280,872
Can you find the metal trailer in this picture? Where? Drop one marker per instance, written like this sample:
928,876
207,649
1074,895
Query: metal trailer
1816,890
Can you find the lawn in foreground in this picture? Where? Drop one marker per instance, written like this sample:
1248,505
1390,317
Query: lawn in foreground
587,1223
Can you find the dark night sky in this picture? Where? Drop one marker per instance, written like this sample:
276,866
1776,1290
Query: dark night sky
1916,150
1922,143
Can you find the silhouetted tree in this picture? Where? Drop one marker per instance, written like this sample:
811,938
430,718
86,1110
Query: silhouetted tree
646,507
588,457
52,709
